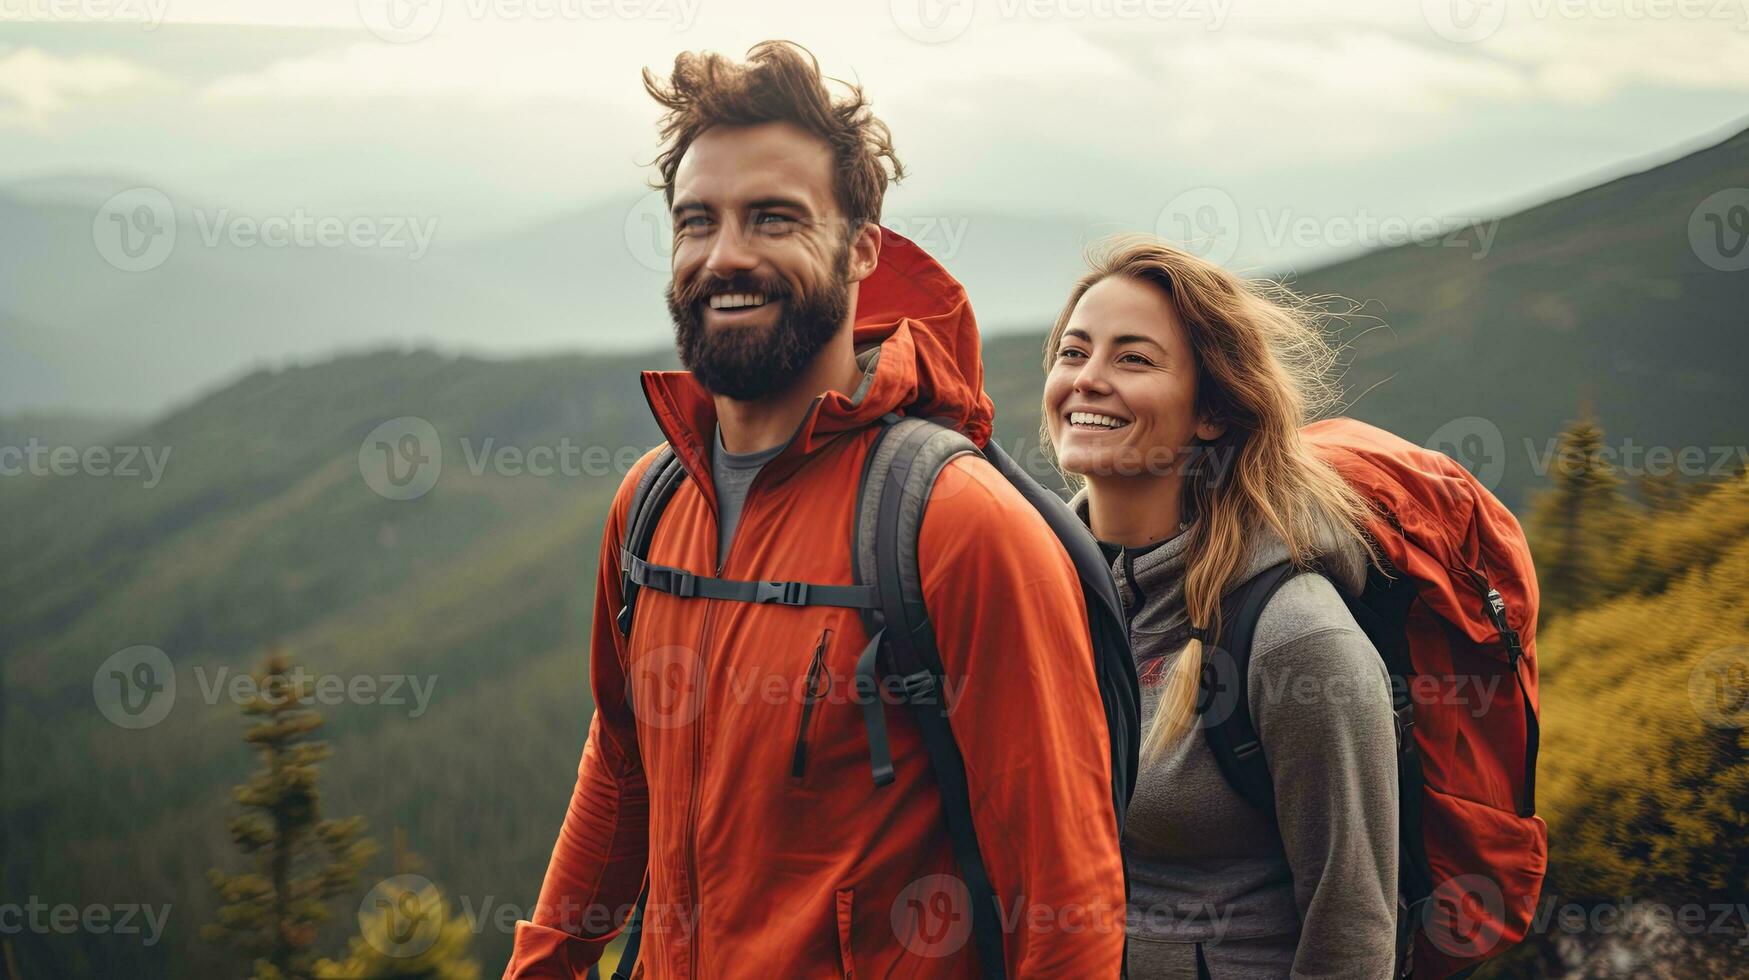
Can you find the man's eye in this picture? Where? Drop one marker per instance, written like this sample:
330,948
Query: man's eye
691,223
772,222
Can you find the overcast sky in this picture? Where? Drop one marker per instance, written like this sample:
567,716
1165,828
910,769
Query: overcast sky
496,113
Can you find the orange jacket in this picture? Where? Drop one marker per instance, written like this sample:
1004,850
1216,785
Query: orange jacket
758,873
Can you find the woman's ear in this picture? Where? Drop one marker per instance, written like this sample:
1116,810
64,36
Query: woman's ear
1208,430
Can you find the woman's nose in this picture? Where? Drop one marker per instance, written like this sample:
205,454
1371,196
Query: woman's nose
1091,380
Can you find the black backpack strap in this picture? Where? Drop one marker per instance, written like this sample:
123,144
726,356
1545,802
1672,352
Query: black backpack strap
634,933
655,488
898,474
689,585
1223,702
1113,662
1381,611
1114,665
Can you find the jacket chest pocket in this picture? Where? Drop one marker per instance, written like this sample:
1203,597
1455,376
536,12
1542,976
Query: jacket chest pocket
814,693
845,901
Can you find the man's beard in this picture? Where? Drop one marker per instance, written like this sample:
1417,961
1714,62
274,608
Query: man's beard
751,363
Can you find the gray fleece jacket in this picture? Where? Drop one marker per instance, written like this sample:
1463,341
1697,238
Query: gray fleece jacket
1313,894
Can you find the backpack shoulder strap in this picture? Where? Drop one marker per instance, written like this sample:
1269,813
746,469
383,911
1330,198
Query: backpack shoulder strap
1223,701
1114,664
655,488
898,474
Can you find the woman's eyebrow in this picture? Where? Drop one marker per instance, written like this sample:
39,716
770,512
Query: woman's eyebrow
1120,339
1136,338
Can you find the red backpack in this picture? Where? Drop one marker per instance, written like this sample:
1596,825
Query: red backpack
1454,620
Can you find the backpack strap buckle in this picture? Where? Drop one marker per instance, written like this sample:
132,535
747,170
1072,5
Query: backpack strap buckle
674,581
918,688
784,593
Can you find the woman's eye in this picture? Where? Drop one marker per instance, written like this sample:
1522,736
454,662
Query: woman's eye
1134,359
1068,352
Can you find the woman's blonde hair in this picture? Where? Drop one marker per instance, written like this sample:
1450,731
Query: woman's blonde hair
1264,367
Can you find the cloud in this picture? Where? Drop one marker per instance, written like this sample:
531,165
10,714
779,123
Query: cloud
1588,61
35,85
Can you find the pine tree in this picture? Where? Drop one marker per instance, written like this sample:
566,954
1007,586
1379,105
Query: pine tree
406,931
1573,522
1663,492
301,861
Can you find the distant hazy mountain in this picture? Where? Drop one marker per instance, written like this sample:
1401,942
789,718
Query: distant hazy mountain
80,334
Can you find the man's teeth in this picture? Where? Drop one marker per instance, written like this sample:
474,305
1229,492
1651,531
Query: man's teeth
1096,421
735,301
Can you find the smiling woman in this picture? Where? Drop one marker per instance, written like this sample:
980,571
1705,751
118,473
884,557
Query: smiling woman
1175,391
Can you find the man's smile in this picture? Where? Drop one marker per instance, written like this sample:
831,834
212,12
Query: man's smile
740,309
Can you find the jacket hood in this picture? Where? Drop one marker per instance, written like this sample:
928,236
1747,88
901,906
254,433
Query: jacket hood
918,344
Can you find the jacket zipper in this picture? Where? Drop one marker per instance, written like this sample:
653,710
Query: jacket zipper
798,765
699,722
692,803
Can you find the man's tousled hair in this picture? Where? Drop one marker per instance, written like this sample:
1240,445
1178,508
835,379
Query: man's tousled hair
779,82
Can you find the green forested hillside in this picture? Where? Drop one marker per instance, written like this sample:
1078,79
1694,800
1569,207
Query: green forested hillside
264,529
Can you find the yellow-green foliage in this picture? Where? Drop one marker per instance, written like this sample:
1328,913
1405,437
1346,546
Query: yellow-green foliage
1646,792
411,934
1661,546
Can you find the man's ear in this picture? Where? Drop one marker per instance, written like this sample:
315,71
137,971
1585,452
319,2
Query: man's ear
865,251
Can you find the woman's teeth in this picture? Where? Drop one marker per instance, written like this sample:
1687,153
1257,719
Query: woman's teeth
735,301
1093,420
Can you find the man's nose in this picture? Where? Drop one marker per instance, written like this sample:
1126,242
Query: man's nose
731,252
